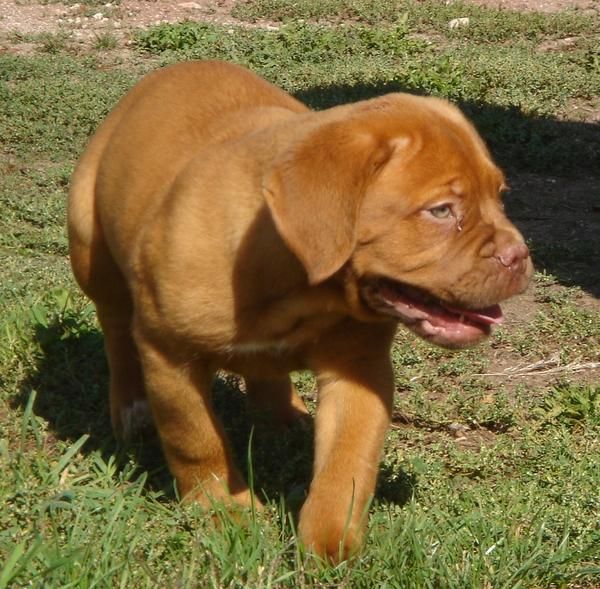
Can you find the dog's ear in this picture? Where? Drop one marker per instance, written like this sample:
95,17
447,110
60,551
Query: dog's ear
314,192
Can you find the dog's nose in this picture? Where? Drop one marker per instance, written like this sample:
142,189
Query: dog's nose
512,254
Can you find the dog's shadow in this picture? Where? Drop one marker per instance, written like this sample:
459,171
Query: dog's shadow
69,385
70,382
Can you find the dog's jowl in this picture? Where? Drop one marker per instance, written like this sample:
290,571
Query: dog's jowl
218,223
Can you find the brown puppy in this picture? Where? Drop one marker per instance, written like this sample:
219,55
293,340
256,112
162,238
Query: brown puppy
217,223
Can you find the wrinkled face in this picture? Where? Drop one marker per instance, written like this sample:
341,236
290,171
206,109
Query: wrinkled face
401,191
434,248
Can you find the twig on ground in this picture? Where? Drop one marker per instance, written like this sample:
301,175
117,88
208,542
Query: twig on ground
547,366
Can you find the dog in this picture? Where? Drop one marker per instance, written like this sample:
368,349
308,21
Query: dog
218,223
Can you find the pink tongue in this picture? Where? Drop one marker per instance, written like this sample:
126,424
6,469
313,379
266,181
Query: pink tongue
488,316
444,313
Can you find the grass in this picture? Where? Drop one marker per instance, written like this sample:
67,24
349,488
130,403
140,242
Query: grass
491,468
106,41
426,15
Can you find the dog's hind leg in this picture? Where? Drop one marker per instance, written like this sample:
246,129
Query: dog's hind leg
104,284
100,278
129,411
278,398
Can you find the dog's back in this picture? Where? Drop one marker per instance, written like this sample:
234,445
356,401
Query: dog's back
162,123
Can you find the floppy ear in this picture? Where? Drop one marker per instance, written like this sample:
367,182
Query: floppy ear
314,192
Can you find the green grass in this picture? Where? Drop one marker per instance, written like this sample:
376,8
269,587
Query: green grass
489,477
105,41
476,71
428,15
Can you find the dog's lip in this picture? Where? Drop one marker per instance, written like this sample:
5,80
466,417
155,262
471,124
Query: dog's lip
430,317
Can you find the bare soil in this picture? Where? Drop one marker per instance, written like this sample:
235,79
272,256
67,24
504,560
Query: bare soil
22,17
120,18
541,5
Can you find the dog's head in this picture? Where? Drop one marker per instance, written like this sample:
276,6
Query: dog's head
402,191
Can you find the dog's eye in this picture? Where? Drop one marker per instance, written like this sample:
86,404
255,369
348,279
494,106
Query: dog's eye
441,212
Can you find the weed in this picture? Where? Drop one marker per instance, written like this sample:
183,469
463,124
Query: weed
52,42
106,41
485,25
570,405
524,85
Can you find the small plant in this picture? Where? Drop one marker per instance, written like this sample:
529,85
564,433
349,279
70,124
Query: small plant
571,405
17,37
106,41
53,42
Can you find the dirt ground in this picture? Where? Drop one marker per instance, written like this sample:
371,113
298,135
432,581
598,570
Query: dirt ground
28,16
119,17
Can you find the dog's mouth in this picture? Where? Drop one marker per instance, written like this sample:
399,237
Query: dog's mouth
431,318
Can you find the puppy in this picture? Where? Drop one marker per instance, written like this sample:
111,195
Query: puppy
218,223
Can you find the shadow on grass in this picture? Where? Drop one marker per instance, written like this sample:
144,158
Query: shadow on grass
70,381
553,169
71,384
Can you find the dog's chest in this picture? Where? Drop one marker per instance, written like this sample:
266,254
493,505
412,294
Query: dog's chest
282,353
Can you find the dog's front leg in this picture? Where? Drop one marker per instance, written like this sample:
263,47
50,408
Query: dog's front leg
193,440
355,400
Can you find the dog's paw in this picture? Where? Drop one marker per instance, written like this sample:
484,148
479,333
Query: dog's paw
328,533
134,420
214,495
